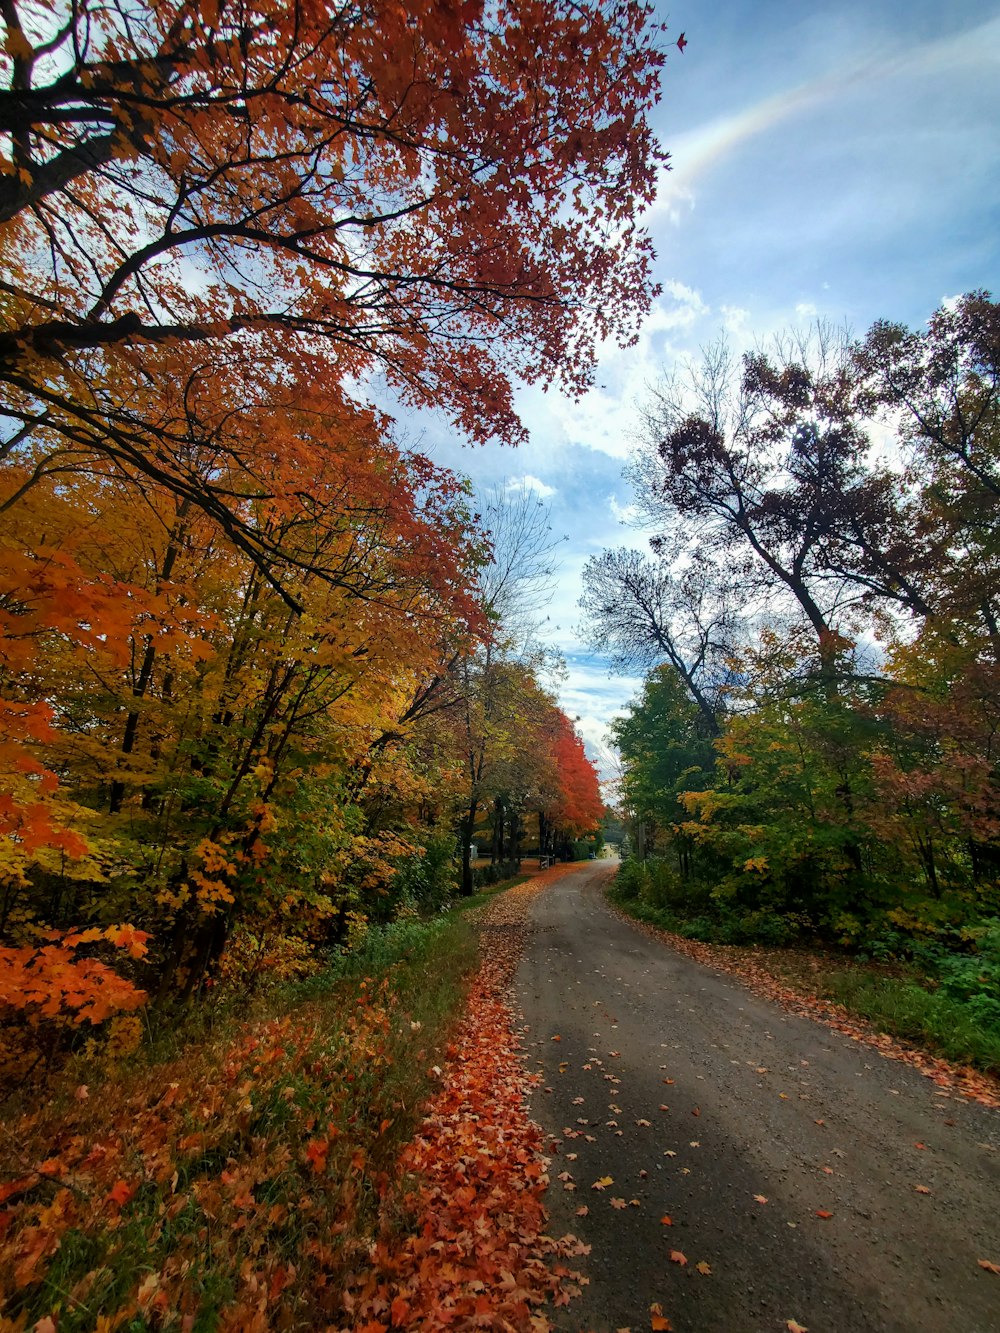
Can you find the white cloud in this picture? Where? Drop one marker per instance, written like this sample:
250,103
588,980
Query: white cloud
806,310
735,319
530,483
605,419
627,514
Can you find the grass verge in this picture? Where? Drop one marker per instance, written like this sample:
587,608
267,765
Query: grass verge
231,1186
894,998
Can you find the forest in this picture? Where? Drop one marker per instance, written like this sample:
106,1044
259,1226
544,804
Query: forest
264,668
813,755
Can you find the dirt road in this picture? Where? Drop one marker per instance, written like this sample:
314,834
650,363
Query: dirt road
787,1157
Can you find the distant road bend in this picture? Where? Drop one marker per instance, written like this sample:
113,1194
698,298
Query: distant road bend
817,1181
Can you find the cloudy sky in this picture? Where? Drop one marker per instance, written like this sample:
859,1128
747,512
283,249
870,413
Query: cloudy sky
839,160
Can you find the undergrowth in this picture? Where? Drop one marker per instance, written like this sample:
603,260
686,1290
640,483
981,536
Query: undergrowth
232,1185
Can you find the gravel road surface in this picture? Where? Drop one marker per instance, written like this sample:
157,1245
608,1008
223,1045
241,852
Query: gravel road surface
701,1102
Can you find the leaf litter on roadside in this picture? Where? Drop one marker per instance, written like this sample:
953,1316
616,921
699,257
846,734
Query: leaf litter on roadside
478,1250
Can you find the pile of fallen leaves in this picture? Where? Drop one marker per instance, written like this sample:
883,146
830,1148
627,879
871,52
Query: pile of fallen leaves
745,964
476,1255
231,1189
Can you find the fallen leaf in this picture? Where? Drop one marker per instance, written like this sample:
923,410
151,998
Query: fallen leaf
921,1146
121,1192
677,1258
666,1220
618,1203
670,1153
696,1111
703,1267
582,1211
557,1038
794,1327
634,1203
921,1189
658,1321
990,1267
827,1170
761,1198
603,1182
821,1212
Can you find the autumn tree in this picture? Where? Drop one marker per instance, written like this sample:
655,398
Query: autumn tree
210,735
766,457
665,751
574,806
676,610
856,785
310,194
219,224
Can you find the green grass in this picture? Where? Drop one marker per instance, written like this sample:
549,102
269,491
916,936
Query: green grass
927,1018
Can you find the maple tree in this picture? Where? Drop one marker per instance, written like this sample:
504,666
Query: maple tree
305,193
230,604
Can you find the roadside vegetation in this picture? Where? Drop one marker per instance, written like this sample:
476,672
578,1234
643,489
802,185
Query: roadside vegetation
812,759
238,1170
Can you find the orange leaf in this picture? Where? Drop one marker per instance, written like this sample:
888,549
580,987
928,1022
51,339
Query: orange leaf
666,1220
794,1327
921,1189
316,1152
990,1267
703,1267
761,1198
120,1193
618,1203
821,1212
658,1320
677,1258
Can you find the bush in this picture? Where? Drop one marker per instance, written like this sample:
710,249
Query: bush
425,883
759,927
484,876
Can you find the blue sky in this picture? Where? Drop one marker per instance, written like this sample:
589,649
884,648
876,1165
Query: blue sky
838,160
